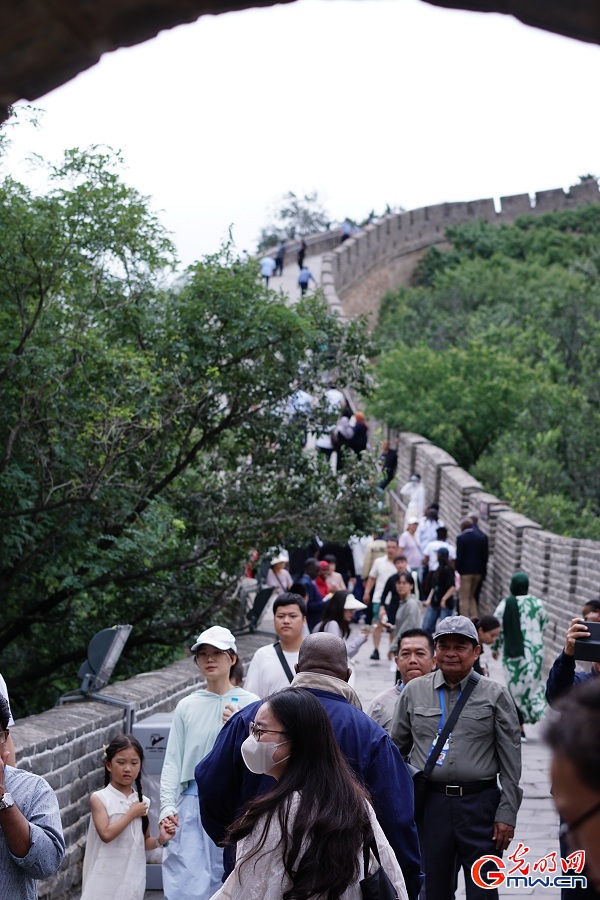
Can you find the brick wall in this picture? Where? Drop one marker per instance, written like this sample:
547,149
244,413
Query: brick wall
357,273
64,745
563,572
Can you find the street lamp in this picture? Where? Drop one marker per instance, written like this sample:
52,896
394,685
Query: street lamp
103,654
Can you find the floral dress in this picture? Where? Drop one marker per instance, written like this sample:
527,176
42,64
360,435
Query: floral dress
524,673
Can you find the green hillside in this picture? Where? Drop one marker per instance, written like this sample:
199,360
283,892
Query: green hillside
494,355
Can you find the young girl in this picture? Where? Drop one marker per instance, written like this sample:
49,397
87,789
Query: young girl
115,859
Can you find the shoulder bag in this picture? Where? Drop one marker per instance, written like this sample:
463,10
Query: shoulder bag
420,776
377,886
283,661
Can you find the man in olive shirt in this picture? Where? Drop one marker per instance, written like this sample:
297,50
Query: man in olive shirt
414,658
466,815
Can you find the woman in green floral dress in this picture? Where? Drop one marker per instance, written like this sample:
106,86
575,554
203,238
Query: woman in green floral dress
523,620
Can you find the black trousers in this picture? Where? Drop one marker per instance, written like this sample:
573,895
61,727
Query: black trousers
453,833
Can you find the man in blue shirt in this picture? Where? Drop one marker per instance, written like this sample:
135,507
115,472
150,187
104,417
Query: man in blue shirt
315,604
562,676
32,845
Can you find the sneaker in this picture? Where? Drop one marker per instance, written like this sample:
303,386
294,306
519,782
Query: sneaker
374,654
523,739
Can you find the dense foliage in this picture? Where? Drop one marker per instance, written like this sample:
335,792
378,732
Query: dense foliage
296,217
145,446
494,354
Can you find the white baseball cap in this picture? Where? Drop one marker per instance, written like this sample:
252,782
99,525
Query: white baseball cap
218,637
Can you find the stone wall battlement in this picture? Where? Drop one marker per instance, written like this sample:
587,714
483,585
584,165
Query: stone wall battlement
64,746
357,274
563,572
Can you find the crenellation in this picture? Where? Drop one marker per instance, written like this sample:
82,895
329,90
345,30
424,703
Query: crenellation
366,267
564,572
512,207
484,209
585,192
552,201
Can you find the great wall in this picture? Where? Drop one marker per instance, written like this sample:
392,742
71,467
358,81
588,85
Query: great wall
64,744
355,275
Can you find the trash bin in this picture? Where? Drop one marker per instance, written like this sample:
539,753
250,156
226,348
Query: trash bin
153,733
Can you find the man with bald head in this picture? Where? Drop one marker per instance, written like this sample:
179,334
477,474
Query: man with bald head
225,784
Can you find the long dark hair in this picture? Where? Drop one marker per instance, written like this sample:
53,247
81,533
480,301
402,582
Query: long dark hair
331,819
122,742
487,623
334,612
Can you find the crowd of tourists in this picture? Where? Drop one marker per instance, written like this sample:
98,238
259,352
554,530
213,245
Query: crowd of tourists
284,787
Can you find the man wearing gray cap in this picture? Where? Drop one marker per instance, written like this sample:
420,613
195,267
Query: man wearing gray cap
465,813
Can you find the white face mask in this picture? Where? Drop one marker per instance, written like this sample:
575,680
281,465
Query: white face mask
258,755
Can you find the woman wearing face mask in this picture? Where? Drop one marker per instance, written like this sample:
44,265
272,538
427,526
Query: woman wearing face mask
192,864
304,838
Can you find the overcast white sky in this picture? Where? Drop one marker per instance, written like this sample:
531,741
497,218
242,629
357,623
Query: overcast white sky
372,102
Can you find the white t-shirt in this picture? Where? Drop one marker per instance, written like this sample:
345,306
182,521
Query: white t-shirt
264,878
381,571
4,692
280,582
358,545
265,672
427,530
431,553
267,266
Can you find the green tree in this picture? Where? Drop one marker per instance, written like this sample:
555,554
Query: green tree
529,295
461,398
145,440
297,216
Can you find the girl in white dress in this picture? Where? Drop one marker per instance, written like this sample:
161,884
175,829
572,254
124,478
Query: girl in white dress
119,833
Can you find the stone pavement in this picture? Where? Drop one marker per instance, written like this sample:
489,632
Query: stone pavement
537,823
288,282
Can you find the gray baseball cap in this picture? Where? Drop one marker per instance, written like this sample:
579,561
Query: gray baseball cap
456,625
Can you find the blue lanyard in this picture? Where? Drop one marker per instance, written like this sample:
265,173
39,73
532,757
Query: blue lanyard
442,718
443,708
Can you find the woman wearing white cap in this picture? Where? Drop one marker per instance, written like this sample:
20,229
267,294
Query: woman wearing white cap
192,863
337,616
278,576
